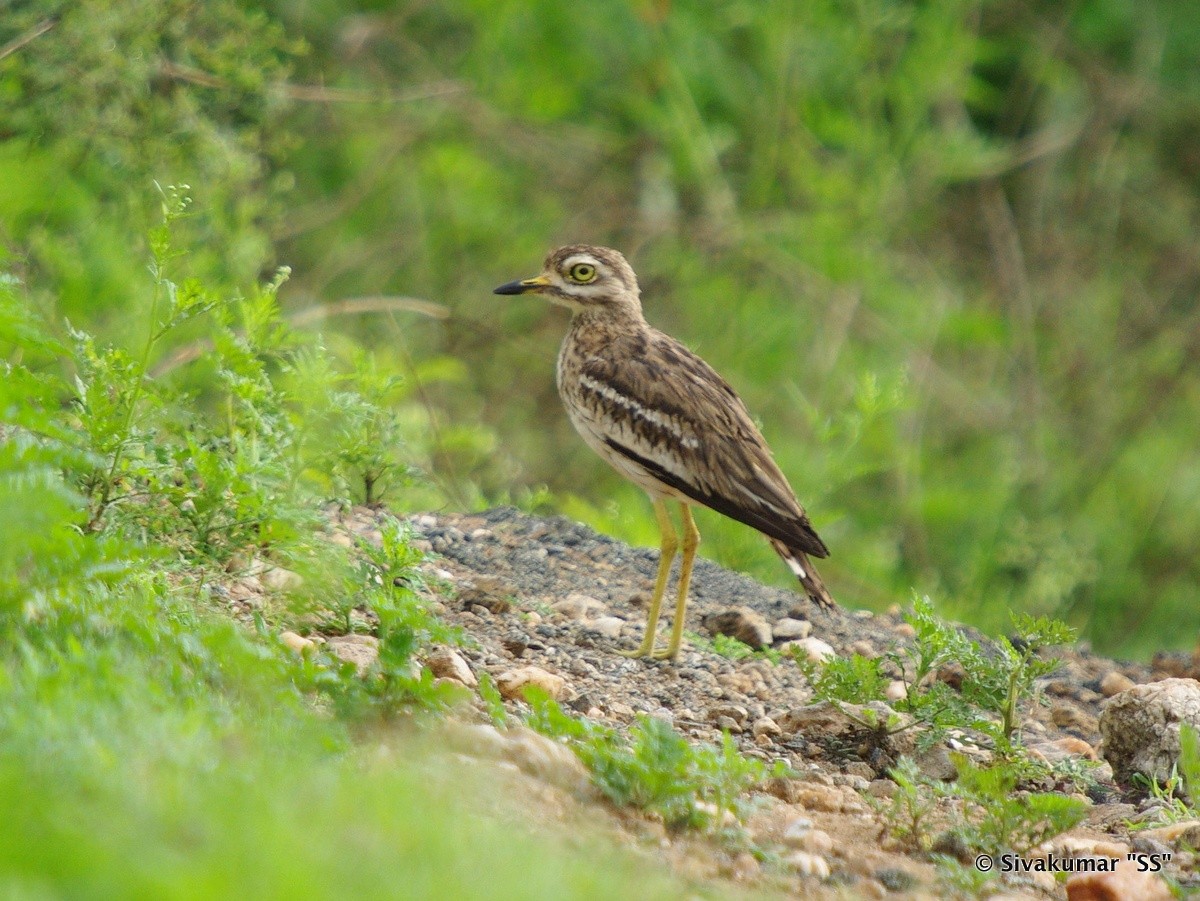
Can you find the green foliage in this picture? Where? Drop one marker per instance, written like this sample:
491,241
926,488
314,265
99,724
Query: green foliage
990,815
907,813
731,648
998,819
999,679
1177,798
654,768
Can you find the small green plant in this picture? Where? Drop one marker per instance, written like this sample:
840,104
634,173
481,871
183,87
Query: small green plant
732,648
907,813
1178,799
999,819
655,768
999,679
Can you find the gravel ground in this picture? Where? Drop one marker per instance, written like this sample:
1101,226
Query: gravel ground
555,596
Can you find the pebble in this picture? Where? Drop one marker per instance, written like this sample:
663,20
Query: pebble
728,711
815,650
577,606
608,626
361,650
864,648
897,690
746,625
279,579
796,830
297,643
905,630
808,864
513,683
765,726
448,664
1114,683
788,629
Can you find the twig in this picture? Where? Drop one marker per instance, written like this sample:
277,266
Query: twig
32,35
315,93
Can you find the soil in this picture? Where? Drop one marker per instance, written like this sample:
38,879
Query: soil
553,594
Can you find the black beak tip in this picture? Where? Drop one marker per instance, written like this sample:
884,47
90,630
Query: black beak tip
510,288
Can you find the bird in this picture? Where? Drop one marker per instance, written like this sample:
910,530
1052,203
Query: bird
668,422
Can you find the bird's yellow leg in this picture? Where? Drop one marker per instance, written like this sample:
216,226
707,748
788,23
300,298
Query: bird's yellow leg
670,543
691,541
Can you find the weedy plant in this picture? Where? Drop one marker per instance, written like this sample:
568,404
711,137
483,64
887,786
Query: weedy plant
1178,799
654,767
998,680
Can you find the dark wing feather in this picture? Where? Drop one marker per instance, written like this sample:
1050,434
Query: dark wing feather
725,462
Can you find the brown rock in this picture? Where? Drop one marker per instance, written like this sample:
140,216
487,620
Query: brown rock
448,664
1176,834
1114,683
1063,748
512,684
1123,884
1140,728
361,650
742,623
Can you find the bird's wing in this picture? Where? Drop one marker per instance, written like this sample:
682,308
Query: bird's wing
688,427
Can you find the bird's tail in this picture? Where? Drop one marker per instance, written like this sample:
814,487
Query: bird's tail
799,563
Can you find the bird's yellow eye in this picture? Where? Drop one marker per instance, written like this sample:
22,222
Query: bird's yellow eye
583,273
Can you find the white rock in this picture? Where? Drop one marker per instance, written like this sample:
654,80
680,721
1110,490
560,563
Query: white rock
361,650
815,650
809,864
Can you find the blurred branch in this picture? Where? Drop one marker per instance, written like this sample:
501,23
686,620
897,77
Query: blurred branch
28,37
316,93
318,312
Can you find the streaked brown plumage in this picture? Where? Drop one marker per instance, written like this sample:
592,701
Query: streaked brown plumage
665,420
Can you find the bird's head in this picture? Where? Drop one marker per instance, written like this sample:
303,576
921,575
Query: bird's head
583,278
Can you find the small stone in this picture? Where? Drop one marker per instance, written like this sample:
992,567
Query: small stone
1063,749
896,690
742,623
815,650
608,626
864,648
765,726
448,664
731,711
821,798
728,724
425,522
576,606
279,579
1122,884
297,643
796,830
807,864
361,650
905,630
1068,716
788,629
1114,683
513,683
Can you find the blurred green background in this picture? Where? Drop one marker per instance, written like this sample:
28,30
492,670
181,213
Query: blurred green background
947,251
